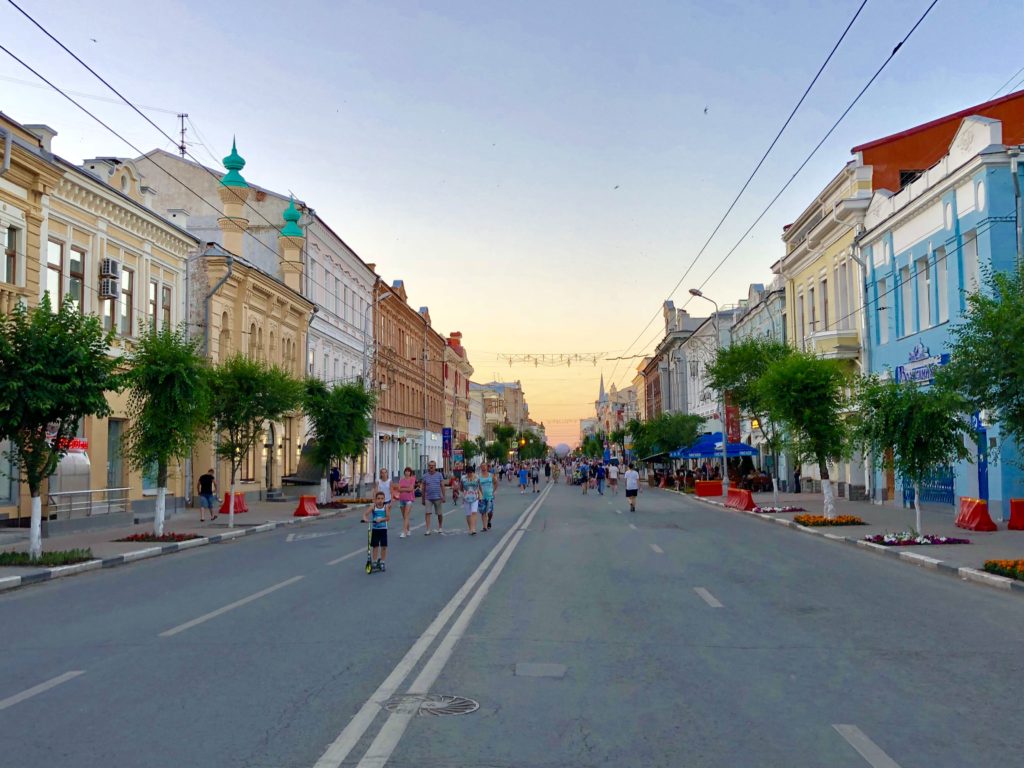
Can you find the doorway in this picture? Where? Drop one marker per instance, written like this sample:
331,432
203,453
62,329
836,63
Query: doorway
115,459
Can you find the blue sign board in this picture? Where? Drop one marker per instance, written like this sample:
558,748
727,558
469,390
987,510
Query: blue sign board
920,366
446,441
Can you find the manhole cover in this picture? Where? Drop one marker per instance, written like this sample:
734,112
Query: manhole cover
431,704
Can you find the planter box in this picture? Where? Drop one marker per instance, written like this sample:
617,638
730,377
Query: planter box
1016,515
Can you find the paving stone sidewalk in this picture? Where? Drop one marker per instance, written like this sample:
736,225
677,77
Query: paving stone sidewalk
262,516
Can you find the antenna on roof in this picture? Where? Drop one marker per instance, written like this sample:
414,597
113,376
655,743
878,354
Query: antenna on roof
182,149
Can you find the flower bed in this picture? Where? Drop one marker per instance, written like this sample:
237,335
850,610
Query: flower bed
47,559
821,520
909,539
1013,569
167,538
777,510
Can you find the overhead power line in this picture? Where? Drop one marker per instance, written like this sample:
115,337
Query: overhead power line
750,178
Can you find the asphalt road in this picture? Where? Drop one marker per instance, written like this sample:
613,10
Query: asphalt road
682,635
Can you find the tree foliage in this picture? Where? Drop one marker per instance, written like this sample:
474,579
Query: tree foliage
55,369
496,452
923,427
985,366
618,437
169,399
469,449
245,394
531,446
503,434
339,420
592,447
664,433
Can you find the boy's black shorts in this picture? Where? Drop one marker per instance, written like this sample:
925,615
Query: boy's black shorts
630,493
379,537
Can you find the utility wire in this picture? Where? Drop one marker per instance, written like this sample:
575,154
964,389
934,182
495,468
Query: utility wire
1008,81
750,178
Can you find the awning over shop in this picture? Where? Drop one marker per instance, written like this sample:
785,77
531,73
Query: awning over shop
710,447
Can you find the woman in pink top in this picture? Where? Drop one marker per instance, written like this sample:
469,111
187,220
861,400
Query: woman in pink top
406,496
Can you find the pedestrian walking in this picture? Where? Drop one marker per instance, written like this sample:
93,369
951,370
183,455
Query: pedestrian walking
523,477
207,490
406,496
547,472
470,499
632,480
535,477
378,519
384,484
486,503
613,478
432,496
599,479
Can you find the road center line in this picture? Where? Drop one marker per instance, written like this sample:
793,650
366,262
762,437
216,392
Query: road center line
707,597
657,549
363,719
37,689
394,727
865,747
229,607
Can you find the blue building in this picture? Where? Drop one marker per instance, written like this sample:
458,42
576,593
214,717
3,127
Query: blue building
925,248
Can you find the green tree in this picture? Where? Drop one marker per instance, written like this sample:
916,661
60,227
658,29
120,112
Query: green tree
737,369
469,449
669,431
503,434
807,395
640,435
339,420
496,452
923,427
245,395
481,445
618,437
983,366
168,405
531,446
55,370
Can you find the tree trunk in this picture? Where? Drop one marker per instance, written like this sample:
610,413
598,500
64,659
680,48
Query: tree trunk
161,496
35,531
917,506
326,494
231,500
826,491
775,490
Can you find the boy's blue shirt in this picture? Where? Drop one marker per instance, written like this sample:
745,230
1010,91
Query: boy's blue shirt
522,475
379,519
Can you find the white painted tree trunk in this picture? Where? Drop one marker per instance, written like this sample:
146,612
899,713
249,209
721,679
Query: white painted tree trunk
830,502
775,490
35,531
917,507
158,516
231,505
325,491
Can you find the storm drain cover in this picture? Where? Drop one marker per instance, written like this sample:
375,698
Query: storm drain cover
431,704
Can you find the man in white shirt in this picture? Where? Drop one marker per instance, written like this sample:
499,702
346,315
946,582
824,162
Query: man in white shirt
613,478
632,478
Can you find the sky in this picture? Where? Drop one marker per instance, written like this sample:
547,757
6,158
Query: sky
540,174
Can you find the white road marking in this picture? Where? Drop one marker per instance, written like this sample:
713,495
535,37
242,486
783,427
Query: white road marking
618,511
363,719
306,536
394,727
346,557
707,597
865,747
229,607
37,689
657,549
633,527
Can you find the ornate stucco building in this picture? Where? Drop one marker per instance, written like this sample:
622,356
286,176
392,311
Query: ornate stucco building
457,373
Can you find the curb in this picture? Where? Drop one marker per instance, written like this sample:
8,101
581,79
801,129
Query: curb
13,582
972,575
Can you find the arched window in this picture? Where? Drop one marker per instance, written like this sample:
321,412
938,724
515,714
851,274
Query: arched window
224,340
252,341
259,346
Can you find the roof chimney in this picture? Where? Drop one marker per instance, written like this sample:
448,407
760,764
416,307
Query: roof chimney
44,133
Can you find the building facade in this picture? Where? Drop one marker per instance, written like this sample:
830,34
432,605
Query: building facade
457,373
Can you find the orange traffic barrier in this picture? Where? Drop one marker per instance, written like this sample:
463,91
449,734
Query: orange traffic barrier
708,487
974,515
307,507
1016,515
737,498
240,505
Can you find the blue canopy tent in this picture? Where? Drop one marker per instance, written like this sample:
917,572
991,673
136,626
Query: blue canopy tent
710,447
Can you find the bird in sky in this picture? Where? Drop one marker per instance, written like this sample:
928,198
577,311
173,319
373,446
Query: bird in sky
705,110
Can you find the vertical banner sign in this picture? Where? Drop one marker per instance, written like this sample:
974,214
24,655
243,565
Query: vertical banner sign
446,441
732,419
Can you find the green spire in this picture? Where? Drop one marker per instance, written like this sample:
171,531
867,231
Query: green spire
234,163
291,218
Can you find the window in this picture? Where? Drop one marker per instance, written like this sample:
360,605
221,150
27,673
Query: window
844,321
10,263
924,295
909,177
906,302
327,366
127,300
165,306
882,306
969,258
942,284
55,272
812,309
337,297
76,278
152,313
824,304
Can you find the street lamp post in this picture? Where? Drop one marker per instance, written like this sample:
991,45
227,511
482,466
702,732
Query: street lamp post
725,438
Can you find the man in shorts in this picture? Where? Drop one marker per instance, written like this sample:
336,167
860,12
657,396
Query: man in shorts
207,489
632,479
613,478
432,494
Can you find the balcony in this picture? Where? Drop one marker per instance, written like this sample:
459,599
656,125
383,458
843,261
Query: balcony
835,344
10,295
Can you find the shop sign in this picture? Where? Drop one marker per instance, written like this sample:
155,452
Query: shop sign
920,366
446,441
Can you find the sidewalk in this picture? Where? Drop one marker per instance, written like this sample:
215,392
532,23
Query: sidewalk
262,516
890,518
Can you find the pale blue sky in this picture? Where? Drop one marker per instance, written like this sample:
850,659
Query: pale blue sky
473,149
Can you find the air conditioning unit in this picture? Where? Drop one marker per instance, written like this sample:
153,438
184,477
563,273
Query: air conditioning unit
108,287
110,268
